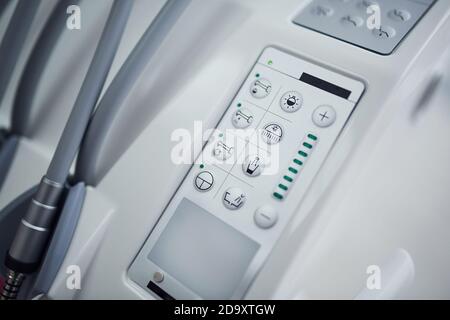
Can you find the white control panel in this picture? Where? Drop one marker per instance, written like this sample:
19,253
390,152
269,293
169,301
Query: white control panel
376,25
233,205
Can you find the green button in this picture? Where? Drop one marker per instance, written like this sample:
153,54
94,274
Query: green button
298,162
293,170
303,154
287,178
307,145
278,196
312,137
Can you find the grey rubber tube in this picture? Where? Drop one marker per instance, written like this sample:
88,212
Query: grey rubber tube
14,39
75,128
3,5
117,92
36,227
36,64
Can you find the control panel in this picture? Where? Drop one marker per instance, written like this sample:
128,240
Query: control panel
376,25
250,178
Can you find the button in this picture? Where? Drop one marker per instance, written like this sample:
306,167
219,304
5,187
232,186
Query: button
234,198
291,101
272,133
253,165
261,88
324,116
222,151
384,33
204,181
399,15
242,118
158,277
322,11
266,217
364,4
352,21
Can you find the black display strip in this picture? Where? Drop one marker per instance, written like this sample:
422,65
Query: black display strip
325,85
160,292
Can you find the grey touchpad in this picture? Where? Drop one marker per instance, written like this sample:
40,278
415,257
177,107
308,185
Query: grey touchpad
202,252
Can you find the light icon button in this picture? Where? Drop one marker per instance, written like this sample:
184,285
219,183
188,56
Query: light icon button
291,101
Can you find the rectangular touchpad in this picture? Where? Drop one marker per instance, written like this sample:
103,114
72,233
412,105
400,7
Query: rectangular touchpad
202,252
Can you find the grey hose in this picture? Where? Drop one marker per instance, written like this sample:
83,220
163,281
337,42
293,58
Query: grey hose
14,40
3,5
36,64
71,138
31,238
120,87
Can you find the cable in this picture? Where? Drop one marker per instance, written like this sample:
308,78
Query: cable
31,238
35,66
14,40
117,92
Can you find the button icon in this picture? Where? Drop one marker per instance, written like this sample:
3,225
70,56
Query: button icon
272,133
266,217
252,166
261,88
352,21
324,116
291,101
242,118
234,198
222,151
399,15
384,33
322,11
204,181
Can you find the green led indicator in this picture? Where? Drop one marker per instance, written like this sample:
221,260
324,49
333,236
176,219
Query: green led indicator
287,178
298,162
257,75
283,187
312,137
270,62
239,105
278,196
294,171
303,154
306,144
221,135
202,166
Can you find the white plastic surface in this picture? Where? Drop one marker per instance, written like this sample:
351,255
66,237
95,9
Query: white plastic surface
349,218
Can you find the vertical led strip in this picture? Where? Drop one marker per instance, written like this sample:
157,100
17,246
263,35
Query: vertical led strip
296,166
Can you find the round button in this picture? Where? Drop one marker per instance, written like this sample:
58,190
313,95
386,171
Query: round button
204,181
222,151
399,15
266,217
272,133
384,33
261,88
352,21
364,4
158,277
253,165
291,101
242,118
234,198
324,116
322,11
